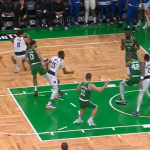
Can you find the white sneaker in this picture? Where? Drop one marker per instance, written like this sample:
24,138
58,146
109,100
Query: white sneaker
17,70
90,122
138,24
145,27
66,28
51,28
79,121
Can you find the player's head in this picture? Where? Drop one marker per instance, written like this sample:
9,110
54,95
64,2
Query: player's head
128,35
21,33
61,54
146,57
88,76
64,146
130,57
33,43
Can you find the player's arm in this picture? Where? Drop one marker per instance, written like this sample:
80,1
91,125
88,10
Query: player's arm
137,46
142,65
98,89
128,64
39,55
12,40
27,39
122,44
64,69
78,87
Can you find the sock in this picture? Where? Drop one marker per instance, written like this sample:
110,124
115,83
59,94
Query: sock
114,18
16,66
128,26
122,84
86,15
94,19
91,118
139,100
49,103
107,20
120,22
79,118
139,22
128,71
35,88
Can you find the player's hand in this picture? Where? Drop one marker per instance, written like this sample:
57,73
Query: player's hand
106,82
140,84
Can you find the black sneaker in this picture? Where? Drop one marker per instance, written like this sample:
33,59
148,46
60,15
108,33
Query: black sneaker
149,99
121,101
136,113
35,93
119,25
85,25
113,22
126,29
133,29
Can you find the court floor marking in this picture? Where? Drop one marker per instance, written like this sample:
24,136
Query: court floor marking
110,103
67,45
24,114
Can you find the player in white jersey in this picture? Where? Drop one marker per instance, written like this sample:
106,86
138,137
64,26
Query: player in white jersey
20,48
144,84
56,63
145,7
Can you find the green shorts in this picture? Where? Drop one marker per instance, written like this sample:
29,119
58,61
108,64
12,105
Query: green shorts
87,104
134,54
37,68
132,80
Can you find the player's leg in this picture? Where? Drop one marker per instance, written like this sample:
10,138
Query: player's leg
107,14
135,12
14,60
94,111
23,65
76,12
35,85
101,13
92,6
127,68
87,8
113,7
145,85
145,7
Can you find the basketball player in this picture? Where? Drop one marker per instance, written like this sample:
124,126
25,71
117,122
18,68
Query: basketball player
89,4
104,6
36,64
56,63
131,46
121,7
144,84
145,7
132,10
85,95
20,48
135,77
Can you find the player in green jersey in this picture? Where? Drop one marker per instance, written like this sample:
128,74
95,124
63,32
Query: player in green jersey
85,95
36,63
131,46
135,77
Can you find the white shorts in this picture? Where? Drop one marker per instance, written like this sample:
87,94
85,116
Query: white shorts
18,57
89,4
145,84
145,6
53,81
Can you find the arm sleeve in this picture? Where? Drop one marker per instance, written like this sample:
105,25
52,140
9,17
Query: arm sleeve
62,64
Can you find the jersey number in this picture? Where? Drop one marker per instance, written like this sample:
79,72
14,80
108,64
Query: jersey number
53,64
148,70
18,44
128,48
135,67
31,56
82,92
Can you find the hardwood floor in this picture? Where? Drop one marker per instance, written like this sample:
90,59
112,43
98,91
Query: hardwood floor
99,55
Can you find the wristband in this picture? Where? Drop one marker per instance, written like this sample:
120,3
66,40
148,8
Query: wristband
141,77
140,5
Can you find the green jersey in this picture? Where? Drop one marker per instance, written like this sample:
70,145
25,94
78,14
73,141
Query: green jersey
33,57
135,68
85,92
129,45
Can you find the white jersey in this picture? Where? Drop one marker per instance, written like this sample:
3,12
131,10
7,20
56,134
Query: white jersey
56,64
147,68
19,44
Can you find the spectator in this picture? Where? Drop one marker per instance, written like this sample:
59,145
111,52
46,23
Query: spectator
89,4
121,7
1,19
104,5
58,11
8,10
64,146
22,13
73,4
43,9
114,8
